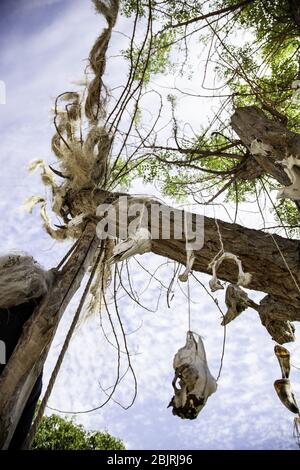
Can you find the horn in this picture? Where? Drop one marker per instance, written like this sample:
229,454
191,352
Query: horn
283,357
285,394
171,403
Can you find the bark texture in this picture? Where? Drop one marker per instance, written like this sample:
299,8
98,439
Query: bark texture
251,123
273,261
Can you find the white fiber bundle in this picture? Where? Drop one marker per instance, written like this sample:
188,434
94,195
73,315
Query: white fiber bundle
21,279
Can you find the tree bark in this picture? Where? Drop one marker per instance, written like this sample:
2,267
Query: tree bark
257,251
251,123
27,360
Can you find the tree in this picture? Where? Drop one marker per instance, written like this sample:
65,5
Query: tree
56,433
249,147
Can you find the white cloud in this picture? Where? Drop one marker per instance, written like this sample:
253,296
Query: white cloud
29,4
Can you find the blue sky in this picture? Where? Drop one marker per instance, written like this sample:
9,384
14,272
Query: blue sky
33,16
44,46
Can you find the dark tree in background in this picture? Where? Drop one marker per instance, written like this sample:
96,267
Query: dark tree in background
56,433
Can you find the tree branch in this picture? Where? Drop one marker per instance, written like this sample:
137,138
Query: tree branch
265,256
228,9
251,123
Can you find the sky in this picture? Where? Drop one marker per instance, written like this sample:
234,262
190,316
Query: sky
44,47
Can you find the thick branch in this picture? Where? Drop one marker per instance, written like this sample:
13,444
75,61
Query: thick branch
251,123
221,11
268,258
264,255
258,253
275,316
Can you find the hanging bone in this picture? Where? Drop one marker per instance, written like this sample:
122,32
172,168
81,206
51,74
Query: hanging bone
285,394
258,147
292,169
283,386
236,301
283,356
196,383
284,390
243,278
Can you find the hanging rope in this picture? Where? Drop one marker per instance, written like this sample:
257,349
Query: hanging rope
184,277
67,255
61,356
189,304
224,327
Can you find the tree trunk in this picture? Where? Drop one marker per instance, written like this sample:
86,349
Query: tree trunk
27,360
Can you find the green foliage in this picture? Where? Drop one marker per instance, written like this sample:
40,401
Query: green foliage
123,172
255,52
242,192
287,212
171,10
151,57
150,169
56,433
268,61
